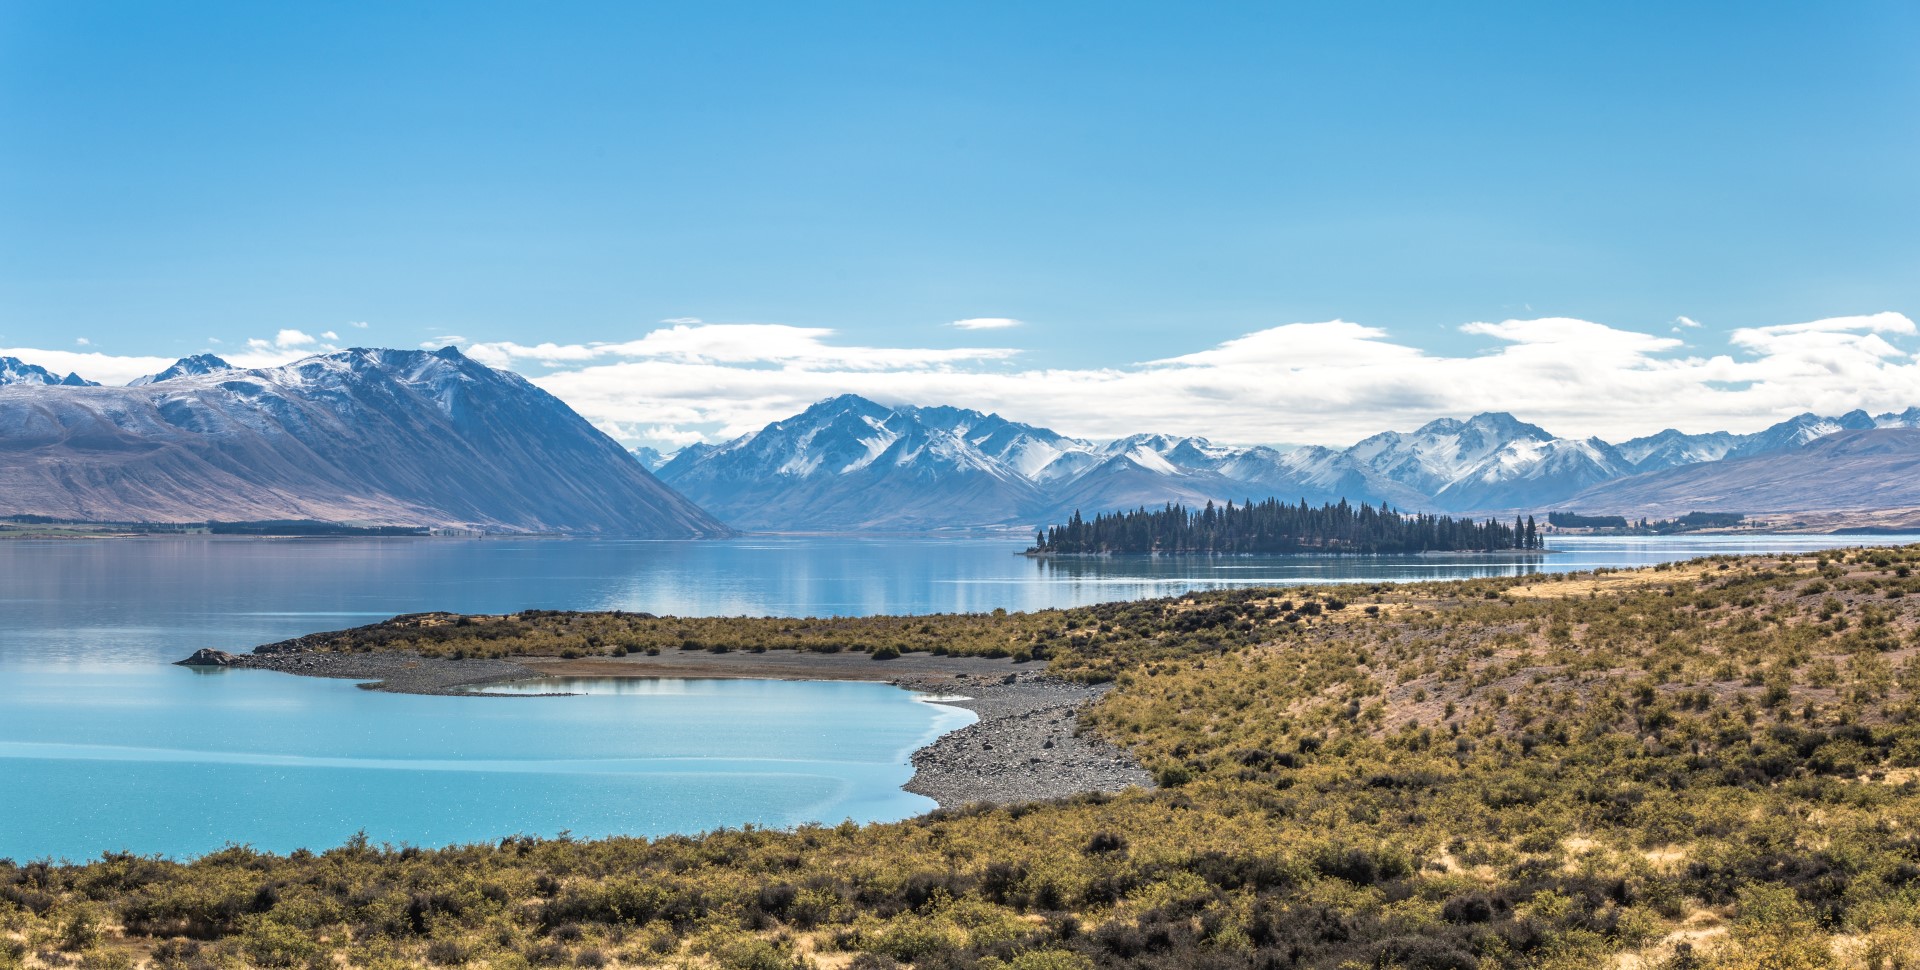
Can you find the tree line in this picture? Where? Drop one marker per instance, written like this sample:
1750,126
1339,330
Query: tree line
1273,526
1620,523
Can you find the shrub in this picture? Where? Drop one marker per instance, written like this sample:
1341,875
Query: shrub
1172,776
105,959
447,953
267,943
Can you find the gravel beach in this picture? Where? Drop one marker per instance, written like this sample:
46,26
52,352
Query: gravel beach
1023,747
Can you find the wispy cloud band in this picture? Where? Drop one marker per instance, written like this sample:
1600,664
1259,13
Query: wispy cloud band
1320,383
1331,382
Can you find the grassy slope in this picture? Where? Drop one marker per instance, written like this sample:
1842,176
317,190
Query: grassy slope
1712,764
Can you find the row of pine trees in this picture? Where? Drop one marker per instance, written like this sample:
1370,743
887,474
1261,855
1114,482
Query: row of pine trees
1273,526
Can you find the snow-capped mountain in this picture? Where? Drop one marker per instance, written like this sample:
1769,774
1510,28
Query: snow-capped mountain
1489,461
1134,472
1797,431
1910,418
360,436
391,437
193,366
1671,449
651,458
13,370
849,464
1872,468
1028,450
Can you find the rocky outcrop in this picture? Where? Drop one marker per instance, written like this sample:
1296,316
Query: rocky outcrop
209,657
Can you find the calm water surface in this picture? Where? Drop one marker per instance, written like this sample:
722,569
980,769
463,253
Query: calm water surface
104,746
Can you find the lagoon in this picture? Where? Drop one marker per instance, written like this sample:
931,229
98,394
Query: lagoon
104,746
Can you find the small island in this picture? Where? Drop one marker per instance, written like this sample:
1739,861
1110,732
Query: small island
1273,527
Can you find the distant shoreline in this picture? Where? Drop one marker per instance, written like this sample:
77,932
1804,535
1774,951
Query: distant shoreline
1834,523
48,527
1022,748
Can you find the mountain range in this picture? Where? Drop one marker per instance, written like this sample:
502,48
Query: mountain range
1854,468
376,437
851,464
13,370
361,436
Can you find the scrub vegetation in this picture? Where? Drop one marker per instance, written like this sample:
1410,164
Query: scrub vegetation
1712,764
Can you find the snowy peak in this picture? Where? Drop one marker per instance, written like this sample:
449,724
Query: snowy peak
1490,426
13,370
193,366
1672,448
845,434
1029,451
1156,443
1798,430
1506,463
1148,459
1442,454
362,436
850,463
834,437
1910,418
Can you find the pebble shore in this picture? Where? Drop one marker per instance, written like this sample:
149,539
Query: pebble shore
1023,748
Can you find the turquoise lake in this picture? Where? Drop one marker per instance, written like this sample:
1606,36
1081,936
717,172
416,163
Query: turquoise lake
105,746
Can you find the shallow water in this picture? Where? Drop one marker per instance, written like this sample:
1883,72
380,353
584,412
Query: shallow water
105,746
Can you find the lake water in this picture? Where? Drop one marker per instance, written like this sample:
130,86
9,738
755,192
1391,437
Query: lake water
105,746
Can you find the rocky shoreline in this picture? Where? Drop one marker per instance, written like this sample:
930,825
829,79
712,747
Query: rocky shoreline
398,673
1024,747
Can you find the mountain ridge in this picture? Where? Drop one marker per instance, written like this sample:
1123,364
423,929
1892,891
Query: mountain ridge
14,371
1854,468
360,436
781,477
846,463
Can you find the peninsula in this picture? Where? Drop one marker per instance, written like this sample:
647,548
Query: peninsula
1690,765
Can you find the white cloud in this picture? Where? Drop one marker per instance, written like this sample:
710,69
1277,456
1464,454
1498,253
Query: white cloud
358,324
737,344
292,338
329,335
673,436
986,323
435,343
1685,321
1324,383
92,365
686,320
662,437
82,341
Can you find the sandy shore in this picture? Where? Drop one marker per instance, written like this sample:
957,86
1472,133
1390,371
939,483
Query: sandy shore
1023,748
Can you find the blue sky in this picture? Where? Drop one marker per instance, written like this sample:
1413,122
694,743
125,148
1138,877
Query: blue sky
1132,182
